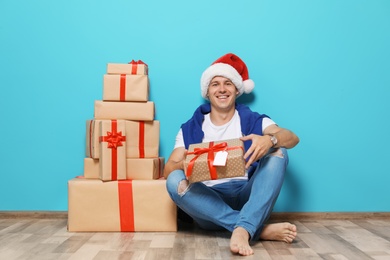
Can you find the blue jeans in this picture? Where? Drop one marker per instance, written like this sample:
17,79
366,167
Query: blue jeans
241,203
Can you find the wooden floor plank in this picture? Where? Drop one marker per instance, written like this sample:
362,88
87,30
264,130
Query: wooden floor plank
48,238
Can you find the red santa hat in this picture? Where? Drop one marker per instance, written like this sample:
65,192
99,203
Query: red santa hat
229,66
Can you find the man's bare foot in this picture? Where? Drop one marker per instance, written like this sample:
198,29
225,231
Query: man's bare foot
285,232
239,242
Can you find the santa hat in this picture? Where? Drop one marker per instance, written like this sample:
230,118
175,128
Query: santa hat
229,66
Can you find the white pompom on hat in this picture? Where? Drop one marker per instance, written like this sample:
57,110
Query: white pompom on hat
229,66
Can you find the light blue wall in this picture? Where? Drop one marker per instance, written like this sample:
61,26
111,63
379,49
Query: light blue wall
321,68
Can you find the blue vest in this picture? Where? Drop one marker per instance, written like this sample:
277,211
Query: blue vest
251,123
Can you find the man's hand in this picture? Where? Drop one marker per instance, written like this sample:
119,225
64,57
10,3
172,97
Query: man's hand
175,161
259,148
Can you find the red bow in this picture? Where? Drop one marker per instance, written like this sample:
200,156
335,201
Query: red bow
137,62
134,66
113,139
210,158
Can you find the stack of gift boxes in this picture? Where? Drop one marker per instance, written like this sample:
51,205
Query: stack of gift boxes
122,188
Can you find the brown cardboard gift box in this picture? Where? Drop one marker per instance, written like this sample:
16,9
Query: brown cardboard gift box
143,139
136,168
112,146
145,168
138,111
92,139
133,68
125,87
200,155
120,206
91,168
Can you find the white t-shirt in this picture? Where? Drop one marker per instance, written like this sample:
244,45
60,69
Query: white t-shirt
230,130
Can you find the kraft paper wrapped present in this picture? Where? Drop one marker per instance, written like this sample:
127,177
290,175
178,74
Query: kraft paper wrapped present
132,68
125,87
145,168
120,206
91,168
199,162
112,146
92,139
143,139
137,111
136,168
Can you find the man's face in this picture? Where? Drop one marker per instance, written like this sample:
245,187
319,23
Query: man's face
222,93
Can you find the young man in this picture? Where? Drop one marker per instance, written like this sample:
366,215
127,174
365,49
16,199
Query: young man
241,205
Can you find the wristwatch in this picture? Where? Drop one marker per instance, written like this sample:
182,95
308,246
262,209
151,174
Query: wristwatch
273,140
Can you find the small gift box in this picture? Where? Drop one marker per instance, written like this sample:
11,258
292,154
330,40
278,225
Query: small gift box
145,168
91,168
92,141
120,206
136,168
143,139
132,68
138,111
199,164
125,87
112,140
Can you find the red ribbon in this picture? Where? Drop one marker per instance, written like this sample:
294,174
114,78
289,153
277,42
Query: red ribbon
141,141
126,205
113,139
122,88
210,158
135,64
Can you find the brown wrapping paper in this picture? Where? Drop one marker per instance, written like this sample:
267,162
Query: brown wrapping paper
91,168
136,168
235,164
92,139
125,87
121,68
112,146
143,140
138,111
94,206
145,168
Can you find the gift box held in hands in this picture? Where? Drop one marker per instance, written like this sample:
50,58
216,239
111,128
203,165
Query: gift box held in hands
199,162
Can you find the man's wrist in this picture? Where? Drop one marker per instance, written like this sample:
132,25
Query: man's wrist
274,140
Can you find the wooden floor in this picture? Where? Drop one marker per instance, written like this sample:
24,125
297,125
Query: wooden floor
47,238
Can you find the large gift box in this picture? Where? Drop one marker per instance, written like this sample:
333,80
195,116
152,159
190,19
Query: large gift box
125,87
124,206
112,159
143,139
136,168
200,162
138,111
133,68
